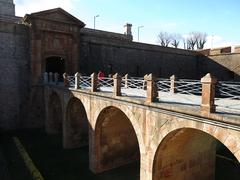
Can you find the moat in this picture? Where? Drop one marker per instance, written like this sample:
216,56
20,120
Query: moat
56,163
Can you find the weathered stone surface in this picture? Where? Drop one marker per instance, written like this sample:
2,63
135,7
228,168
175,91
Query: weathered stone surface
171,147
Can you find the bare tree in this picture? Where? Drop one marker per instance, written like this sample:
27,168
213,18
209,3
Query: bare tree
201,39
191,41
196,40
164,39
175,40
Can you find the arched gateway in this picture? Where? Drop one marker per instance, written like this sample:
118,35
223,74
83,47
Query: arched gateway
54,34
56,64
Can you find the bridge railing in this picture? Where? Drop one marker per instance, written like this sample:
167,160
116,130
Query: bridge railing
85,82
228,95
163,85
191,87
207,93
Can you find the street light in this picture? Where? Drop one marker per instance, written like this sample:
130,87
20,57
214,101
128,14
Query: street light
138,31
94,21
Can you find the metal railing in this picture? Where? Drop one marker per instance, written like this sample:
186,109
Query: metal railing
85,81
228,90
227,94
71,81
105,82
190,87
163,85
136,83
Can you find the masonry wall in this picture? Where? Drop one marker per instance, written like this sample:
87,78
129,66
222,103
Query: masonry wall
118,54
15,73
224,66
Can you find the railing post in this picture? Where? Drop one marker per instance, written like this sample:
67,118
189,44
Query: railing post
145,82
56,76
94,82
126,78
45,78
50,77
208,94
77,78
117,79
173,88
65,79
151,88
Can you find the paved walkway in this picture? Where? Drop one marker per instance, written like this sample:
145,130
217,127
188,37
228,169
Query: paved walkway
223,105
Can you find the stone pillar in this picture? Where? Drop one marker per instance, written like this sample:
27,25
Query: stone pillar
117,79
65,79
50,77
151,88
45,78
77,78
94,82
173,84
208,94
56,77
126,78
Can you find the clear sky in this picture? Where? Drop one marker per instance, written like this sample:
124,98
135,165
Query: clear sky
218,18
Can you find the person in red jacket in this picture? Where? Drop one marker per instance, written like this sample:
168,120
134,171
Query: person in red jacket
100,75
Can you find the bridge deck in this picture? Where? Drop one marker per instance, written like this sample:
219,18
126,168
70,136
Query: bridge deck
226,110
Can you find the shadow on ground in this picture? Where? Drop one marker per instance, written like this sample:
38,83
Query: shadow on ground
54,162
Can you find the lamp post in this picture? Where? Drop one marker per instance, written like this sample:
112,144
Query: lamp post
94,21
138,31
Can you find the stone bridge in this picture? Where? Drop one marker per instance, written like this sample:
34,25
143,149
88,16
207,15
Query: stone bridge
170,141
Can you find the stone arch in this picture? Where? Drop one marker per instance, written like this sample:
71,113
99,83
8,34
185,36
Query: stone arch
134,119
116,141
55,114
76,124
186,153
227,137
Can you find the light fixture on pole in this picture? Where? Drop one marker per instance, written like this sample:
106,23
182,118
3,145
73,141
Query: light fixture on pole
94,21
138,31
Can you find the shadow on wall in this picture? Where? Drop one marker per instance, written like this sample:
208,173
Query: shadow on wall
220,67
112,142
138,59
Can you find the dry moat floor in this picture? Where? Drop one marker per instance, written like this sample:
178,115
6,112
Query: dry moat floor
56,163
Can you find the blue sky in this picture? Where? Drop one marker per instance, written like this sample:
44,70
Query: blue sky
218,18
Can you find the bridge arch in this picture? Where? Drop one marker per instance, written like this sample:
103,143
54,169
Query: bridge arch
76,124
116,141
187,153
55,114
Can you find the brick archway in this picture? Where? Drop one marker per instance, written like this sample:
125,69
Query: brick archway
55,114
76,125
116,142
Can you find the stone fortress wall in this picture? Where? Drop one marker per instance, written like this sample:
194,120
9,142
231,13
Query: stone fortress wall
111,52
15,68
